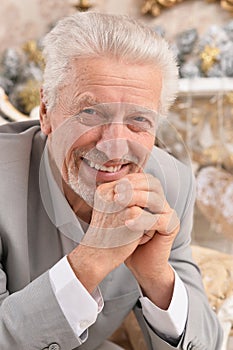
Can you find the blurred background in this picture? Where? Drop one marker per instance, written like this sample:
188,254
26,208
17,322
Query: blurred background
199,127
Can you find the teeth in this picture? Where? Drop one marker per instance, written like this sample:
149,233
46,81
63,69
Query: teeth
109,169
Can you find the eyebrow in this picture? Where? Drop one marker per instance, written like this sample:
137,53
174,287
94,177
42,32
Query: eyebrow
86,101
79,103
89,100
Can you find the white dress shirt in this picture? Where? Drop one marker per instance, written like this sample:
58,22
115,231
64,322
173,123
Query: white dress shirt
82,312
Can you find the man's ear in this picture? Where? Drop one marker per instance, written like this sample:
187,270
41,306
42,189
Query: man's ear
44,119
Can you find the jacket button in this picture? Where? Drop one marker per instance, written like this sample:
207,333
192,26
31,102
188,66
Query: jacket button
54,346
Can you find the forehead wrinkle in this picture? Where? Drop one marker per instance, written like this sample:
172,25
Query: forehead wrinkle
118,81
109,75
121,86
104,81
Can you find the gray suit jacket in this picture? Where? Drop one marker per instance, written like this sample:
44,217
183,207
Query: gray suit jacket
30,317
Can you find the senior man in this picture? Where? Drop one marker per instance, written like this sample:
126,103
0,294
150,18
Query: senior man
95,220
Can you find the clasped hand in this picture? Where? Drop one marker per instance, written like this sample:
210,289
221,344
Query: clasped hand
131,223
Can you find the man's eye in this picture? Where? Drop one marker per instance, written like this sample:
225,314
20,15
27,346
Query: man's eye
90,117
89,111
141,119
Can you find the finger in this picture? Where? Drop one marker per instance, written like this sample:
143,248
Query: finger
164,223
144,199
147,236
139,181
103,200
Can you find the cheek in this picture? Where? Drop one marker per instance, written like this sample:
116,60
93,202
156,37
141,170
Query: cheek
141,146
143,141
148,141
83,140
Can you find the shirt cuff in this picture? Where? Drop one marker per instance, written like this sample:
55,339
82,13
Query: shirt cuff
79,307
171,321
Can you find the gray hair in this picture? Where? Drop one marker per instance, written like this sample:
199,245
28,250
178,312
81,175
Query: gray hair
90,34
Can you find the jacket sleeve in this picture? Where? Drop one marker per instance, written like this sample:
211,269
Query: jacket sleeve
202,331
32,319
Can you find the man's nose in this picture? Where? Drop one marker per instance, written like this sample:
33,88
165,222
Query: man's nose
114,141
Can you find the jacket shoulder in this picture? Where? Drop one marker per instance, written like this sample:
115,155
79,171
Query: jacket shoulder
16,140
18,127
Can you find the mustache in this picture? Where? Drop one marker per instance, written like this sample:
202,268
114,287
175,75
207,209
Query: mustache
94,155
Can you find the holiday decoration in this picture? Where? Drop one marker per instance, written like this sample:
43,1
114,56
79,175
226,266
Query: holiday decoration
154,7
204,119
215,198
83,5
28,96
33,53
21,75
210,55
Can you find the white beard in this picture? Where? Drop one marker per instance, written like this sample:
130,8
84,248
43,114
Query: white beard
80,186
86,188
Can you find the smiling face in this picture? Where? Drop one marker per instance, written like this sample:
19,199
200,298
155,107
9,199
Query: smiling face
114,134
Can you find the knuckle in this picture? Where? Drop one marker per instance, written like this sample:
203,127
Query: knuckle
159,220
168,223
151,180
104,192
133,212
163,203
